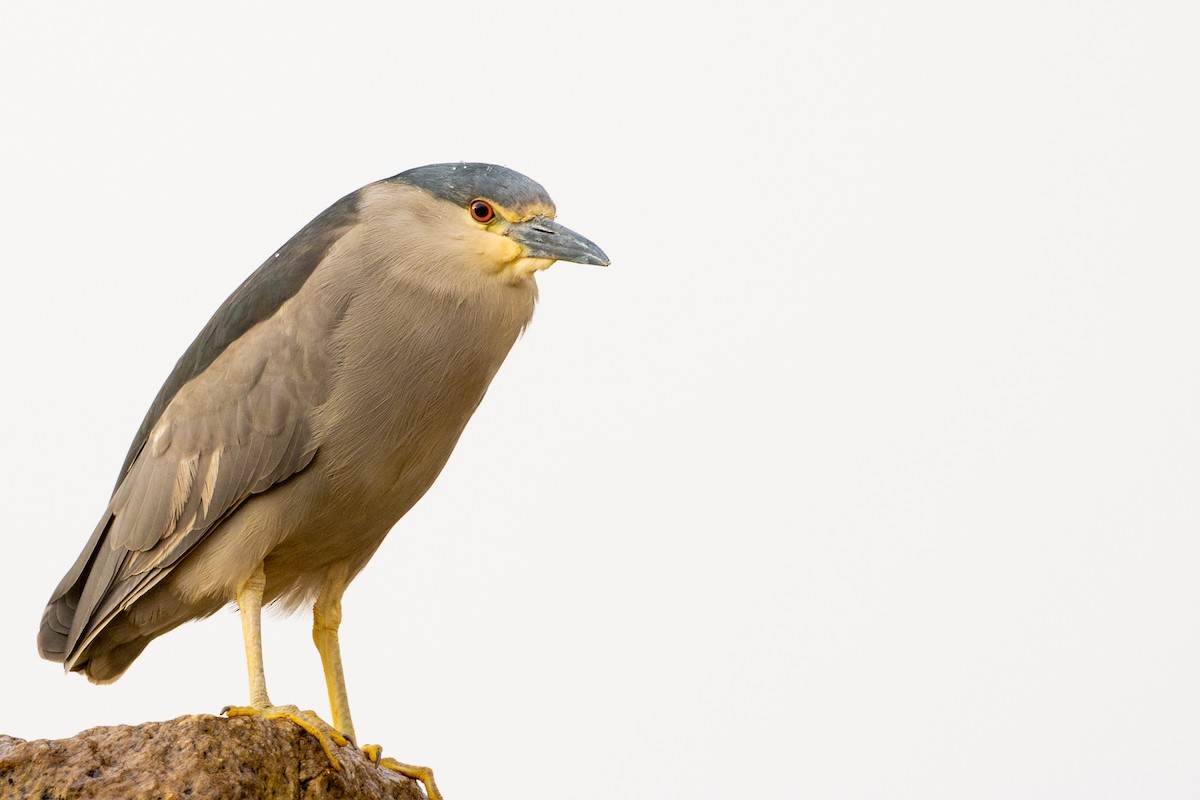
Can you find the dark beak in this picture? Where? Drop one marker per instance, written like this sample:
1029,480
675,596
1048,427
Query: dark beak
542,237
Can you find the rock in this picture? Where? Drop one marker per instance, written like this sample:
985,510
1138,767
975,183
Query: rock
197,756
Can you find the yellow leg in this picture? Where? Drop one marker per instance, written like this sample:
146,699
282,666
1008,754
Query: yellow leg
327,617
249,600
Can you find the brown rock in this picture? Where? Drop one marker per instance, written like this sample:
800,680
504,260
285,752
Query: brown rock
198,756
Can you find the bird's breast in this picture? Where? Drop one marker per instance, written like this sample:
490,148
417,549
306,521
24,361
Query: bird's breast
410,368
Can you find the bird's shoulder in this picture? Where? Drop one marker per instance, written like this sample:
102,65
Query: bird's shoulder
260,297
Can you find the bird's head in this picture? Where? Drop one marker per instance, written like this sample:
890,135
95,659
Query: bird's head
503,220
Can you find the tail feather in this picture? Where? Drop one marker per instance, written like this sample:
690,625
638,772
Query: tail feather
56,624
90,625
68,614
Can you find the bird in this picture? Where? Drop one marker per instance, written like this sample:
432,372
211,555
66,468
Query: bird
313,410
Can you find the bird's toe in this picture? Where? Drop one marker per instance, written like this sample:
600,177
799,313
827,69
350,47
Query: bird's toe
322,731
423,774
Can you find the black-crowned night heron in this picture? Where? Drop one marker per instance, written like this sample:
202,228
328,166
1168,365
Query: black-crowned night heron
315,408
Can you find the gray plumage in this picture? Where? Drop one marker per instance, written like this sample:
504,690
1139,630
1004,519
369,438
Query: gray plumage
314,409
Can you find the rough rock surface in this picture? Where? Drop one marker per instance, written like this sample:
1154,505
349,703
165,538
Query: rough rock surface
198,756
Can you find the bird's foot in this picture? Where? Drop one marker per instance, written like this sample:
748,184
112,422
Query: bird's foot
324,733
423,774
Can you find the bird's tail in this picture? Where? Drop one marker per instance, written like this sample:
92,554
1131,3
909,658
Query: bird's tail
56,626
63,623
105,658
55,637
87,627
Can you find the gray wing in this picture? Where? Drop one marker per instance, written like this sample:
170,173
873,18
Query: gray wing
259,296
230,422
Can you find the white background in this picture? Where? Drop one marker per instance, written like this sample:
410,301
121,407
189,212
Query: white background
868,469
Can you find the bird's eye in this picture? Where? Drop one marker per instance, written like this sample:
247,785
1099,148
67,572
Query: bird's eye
482,211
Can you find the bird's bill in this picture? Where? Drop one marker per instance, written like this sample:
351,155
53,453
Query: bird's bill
542,237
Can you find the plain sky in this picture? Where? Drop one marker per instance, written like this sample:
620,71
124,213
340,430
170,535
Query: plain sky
869,468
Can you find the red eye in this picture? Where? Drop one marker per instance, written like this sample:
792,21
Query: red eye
482,211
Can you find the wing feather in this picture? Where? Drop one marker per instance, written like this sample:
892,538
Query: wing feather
235,430
198,454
